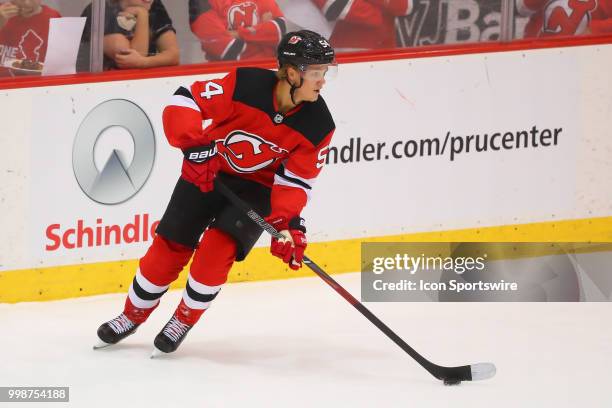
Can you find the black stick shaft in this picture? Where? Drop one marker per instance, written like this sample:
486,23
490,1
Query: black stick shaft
370,316
432,368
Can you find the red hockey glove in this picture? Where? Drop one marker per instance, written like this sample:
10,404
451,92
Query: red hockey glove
201,166
291,249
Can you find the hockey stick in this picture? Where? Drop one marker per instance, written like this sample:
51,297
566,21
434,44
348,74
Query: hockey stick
450,375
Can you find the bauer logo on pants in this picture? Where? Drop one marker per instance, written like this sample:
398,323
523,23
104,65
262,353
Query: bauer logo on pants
113,181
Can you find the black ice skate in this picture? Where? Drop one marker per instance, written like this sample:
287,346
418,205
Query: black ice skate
115,330
170,337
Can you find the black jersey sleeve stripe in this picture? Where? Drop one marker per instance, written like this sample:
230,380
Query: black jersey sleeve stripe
234,51
199,297
282,24
334,11
182,91
197,8
143,294
280,172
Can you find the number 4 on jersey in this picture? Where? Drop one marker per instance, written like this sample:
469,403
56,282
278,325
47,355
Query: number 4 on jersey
211,89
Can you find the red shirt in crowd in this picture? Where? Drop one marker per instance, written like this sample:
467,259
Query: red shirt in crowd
25,38
364,24
258,24
566,17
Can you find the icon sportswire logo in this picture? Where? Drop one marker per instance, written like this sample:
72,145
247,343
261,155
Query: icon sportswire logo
116,181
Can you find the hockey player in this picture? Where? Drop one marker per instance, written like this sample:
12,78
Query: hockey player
364,24
268,140
566,17
237,29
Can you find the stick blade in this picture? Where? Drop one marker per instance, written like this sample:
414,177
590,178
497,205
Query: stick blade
483,371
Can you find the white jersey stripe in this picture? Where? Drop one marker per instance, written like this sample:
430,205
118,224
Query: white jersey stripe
409,6
227,48
244,46
308,182
327,5
284,182
346,10
180,100
278,28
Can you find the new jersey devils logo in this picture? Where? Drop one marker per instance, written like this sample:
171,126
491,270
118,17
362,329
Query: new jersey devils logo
247,153
242,15
568,17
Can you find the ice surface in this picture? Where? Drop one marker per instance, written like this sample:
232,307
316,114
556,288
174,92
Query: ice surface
297,343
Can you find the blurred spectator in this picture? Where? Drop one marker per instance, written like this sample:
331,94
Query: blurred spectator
24,28
364,24
566,17
137,34
237,30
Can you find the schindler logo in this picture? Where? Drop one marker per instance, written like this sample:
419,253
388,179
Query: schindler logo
116,181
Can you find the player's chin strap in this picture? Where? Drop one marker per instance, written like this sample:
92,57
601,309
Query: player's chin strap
294,88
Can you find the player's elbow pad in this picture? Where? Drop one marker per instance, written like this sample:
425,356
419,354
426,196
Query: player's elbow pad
182,129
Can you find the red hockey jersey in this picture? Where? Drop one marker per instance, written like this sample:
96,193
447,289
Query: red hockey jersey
258,25
285,152
566,17
364,24
25,38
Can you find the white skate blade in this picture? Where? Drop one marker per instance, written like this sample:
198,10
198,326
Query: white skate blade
100,345
157,352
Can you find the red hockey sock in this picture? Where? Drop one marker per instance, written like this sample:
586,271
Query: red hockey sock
158,268
136,314
214,258
164,261
187,315
211,264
